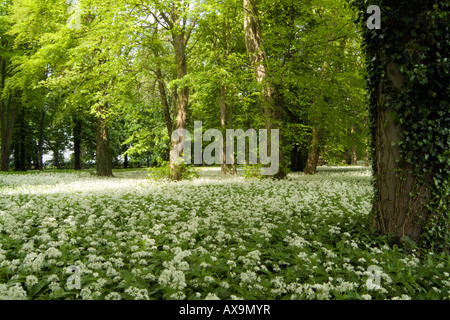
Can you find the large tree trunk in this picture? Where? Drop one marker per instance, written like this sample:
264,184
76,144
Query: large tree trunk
397,211
409,121
78,125
103,157
258,60
313,155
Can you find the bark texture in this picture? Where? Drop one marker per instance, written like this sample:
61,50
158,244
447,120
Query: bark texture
176,21
258,59
396,210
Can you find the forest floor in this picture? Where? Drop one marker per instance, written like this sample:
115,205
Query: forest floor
72,235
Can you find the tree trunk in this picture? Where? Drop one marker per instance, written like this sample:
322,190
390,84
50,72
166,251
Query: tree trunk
40,162
223,126
162,90
230,126
34,163
313,155
257,56
181,102
7,118
176,23
397,209
366,158
221,58
78,125
104,165
258,60
56,158
20,155
164,101
125,161
353,155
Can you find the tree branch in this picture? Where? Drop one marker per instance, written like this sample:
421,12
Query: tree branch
189,31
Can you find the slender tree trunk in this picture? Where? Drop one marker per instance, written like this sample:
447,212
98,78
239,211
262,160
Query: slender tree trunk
181,102
176,22
258,60
56,158
7,117
314,151
20,159
104,165
313,155
40,161
230,126
125,161
366,158
34,162
162,90
223,90
223,126
164,101
77,129
353,156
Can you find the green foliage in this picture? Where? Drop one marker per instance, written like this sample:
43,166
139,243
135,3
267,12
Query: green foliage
415,35
111,57
162,172
252,171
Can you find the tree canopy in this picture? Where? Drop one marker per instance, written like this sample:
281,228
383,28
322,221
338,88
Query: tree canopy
108,82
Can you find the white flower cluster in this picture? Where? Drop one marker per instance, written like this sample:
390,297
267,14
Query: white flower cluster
15,292
172,278
213,238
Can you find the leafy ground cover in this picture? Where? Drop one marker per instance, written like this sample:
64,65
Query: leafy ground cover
305,237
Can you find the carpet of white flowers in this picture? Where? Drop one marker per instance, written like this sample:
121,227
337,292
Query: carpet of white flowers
306,237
